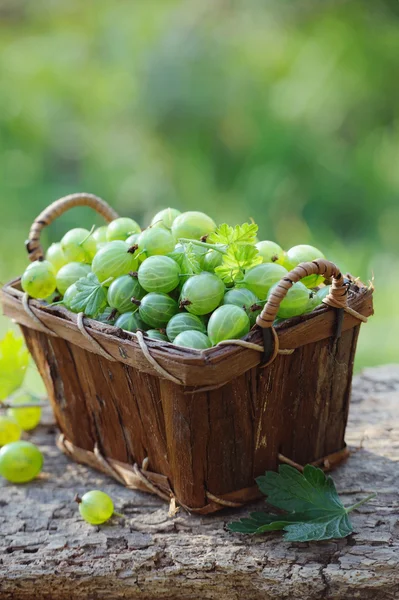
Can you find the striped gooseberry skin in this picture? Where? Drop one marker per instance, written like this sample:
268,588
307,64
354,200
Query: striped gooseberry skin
78,245
155,334
132,239
211,260
313,302
295,302
55,256
20,461
183,322
270,251
201,294
245,299
69,274
304,253
121,229
157,309
39,279
130,321
100,236
122,290
261,278
192,339
323,292
155,241
193,225
228,322
114,260
159,274
165,217
69,296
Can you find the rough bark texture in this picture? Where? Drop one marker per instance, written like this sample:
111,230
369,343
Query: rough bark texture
48,552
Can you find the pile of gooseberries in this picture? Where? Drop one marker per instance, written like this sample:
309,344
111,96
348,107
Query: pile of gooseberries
171,280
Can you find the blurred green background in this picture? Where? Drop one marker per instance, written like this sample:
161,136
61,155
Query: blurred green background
283,111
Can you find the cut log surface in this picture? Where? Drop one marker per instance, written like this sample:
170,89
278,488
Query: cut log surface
48,552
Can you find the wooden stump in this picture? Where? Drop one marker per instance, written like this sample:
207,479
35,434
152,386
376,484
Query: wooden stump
48,552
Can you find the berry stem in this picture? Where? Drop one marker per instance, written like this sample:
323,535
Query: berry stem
354,506
87,236
104,283
112,315
77,499
54,304
4,405
203,244
184,303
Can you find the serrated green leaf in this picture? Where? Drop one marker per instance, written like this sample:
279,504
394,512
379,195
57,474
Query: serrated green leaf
188,260
91,297
245,234
312,492
240,234
192,260
223,235
258,523
14,360
335,527
313,508
237,259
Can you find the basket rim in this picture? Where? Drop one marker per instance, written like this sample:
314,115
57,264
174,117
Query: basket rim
124,346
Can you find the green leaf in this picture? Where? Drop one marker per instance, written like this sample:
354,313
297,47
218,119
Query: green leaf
188,260
91,297
258,523
240,234
14,360
313,509
312,492
236,260
192,260
333,527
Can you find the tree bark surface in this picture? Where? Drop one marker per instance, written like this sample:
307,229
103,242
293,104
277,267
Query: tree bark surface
48,552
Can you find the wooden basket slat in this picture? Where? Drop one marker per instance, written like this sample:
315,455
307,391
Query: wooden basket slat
98,385
188,366
134,413
329,428
129,411
297,403
111,403
53,360
274,404
230,448
187,431
147,390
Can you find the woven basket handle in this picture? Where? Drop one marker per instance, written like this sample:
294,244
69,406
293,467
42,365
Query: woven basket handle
58,208
336,298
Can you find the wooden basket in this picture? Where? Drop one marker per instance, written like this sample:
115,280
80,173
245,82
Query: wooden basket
196,427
